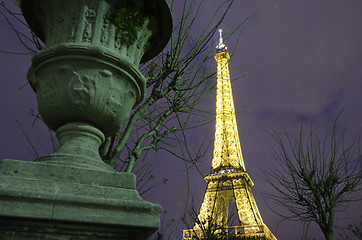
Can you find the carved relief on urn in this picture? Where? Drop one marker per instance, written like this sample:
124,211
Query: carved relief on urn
84,90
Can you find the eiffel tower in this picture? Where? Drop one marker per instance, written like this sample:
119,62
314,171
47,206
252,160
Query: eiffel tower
228,181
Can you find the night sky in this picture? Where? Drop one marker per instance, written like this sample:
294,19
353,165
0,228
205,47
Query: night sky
305,60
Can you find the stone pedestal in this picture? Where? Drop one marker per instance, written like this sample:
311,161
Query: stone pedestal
44,201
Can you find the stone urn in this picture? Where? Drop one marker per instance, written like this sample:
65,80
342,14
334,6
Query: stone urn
87,81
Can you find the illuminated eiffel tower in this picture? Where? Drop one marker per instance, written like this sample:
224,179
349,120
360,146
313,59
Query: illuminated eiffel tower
228,181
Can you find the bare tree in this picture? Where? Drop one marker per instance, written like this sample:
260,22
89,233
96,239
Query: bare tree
177,81
315,174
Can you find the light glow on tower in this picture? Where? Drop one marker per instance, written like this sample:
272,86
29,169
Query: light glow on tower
228,181
227,150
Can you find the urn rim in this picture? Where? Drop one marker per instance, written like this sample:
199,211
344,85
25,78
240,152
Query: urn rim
157,41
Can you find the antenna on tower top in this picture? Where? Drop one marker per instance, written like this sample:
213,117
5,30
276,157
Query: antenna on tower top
220,39
221,45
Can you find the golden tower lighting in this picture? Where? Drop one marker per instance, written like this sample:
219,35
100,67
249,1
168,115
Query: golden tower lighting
228,181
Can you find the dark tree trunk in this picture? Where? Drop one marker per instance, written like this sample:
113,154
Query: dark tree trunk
328,230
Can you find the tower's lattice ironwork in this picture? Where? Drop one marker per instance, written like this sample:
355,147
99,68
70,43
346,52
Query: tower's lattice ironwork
228,181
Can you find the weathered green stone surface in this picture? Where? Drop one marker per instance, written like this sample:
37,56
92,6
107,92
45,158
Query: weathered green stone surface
58,199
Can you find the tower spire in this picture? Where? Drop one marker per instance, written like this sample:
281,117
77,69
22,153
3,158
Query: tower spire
228,181
221,45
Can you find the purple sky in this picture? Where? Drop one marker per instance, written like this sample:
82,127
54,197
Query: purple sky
307,57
